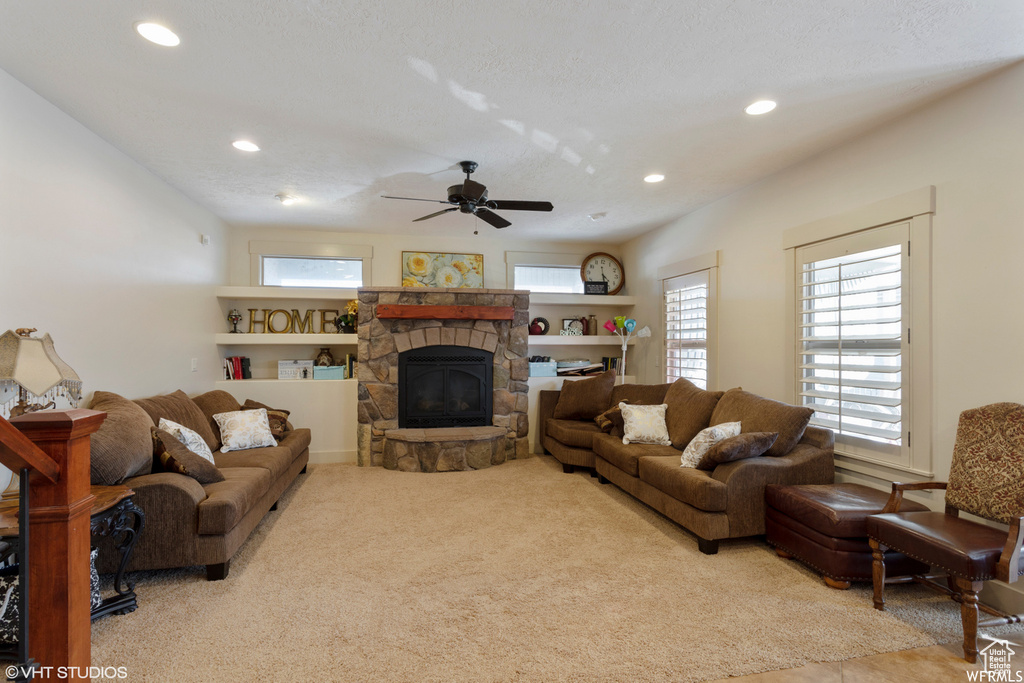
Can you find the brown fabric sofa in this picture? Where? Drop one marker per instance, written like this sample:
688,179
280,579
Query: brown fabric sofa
188,523
725,502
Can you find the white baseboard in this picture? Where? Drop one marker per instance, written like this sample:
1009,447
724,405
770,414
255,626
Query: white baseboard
322,457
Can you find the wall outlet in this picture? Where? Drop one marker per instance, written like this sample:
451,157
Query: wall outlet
195,364
205,239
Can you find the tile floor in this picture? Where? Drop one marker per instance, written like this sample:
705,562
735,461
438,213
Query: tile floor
934,664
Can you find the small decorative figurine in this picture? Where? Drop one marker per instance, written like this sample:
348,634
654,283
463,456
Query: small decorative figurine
234,317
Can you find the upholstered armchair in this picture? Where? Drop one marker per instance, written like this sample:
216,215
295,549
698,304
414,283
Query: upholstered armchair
986,480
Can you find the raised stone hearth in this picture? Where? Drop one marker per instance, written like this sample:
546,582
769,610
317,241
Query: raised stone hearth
494,320
444,450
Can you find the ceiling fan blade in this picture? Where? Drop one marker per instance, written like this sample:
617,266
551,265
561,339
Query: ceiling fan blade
510,205
454,208
414,199
492,218
472,190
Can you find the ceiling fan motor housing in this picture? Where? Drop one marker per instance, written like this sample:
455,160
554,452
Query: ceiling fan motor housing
455,196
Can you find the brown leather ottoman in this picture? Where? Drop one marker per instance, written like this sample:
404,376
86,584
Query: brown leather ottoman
823,526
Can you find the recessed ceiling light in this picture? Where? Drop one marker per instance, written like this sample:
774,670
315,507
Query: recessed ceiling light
245,146
286,199
654,178
760,107
155,33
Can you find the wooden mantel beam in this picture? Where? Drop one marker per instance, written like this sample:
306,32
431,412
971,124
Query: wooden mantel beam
429,312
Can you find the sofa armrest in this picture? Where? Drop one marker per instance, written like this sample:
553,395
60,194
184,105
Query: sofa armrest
170,504
546,402
819,437
746,480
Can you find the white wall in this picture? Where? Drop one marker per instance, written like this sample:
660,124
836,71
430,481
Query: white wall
103,255
970,146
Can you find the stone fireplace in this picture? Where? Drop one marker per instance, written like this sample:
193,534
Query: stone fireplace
445,346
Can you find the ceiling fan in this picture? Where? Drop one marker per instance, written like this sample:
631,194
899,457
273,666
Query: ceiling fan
471,197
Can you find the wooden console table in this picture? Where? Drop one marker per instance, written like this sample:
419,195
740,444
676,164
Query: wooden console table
113,515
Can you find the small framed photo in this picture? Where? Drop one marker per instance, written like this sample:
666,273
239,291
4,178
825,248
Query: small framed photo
595,287
295,369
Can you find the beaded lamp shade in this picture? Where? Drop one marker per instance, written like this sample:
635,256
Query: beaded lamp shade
31,366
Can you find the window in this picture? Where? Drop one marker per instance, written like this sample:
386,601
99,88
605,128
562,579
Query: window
852,346
297,271
309,264
553,279
686,327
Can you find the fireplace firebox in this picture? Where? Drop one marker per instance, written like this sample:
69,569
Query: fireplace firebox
444,386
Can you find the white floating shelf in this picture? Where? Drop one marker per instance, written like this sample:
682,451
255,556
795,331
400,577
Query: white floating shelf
220,384
582,299
559,340
285,293
266,339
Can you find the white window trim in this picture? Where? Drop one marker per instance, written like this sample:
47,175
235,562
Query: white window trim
708,262
258,249
917,208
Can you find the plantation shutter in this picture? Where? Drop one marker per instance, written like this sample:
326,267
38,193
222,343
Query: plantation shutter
686,328
852,348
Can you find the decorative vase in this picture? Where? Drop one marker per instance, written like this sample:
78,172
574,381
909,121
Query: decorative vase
325,357
592,325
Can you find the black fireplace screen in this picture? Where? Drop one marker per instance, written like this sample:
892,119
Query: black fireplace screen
444,386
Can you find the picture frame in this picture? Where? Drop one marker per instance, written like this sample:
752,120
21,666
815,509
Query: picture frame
445,270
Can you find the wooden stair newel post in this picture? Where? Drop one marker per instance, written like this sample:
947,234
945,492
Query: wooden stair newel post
59,607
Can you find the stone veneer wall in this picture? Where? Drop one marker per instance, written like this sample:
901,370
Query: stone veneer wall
380,342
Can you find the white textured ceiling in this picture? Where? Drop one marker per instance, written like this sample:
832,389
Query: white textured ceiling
561,100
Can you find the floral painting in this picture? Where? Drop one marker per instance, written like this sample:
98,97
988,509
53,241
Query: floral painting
428,269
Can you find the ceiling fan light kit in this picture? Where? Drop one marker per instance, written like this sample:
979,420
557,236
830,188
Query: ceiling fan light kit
471,197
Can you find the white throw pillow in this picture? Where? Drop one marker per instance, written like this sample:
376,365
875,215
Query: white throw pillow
707,438
244,429
644,424
190,438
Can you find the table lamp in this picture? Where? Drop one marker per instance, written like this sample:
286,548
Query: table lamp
30,365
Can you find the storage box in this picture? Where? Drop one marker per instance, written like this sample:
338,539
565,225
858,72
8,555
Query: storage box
549,369
295,369
329,372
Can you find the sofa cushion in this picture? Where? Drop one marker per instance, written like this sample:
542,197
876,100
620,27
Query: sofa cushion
118,448
689,411
275,415
585,399
229,500
572,432
213,402
702,443
178,407
173,456
759,414
190,438
627,456
639,394
244,429
276,459
608,420
644,424
297,440
692,486
740,447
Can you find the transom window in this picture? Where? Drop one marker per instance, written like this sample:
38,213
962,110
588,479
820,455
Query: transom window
552,279
297,271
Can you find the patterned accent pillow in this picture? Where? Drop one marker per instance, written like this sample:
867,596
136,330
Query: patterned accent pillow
705,439
190,438
608,419
244,429
173,456
746,445
644,424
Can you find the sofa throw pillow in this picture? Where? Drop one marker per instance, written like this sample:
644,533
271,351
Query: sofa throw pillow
609,418
173,456
191,439
585,399
121,448
689,411
644,424
739,447
244,429
759,414
178,407
278,418
704,440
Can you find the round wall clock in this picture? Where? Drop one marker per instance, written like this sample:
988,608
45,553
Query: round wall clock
602,267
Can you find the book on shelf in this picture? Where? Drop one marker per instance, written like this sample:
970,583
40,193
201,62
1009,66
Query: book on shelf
237,367
610,362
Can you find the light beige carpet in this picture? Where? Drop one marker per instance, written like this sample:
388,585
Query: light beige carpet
518,572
